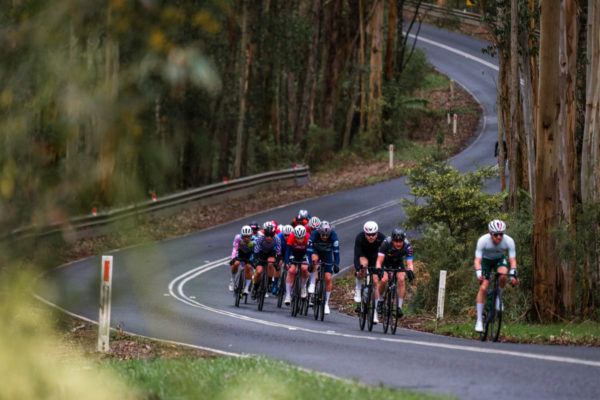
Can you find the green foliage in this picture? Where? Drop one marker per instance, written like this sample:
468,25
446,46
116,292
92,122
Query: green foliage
320,144
444,195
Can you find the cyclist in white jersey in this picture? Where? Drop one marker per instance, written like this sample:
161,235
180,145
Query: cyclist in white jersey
490,254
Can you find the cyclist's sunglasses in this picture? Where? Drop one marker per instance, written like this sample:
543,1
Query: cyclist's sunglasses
371,234
498,234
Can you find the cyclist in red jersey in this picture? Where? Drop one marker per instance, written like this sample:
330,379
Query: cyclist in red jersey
296,250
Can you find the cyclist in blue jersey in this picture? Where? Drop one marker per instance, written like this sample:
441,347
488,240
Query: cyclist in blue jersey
243,250
391,254
490,256
323,245
285,233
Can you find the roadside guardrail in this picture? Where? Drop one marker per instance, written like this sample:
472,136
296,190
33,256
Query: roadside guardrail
91,225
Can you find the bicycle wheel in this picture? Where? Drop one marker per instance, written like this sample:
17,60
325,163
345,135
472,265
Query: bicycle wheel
281,289
239,287
386,311
316,300
362,313
322,299
488,317
371,307
262,290
295,296
394,312
496,322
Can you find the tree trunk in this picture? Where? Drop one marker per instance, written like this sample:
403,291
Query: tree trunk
546,266
361,60
374,115
526,72
500,139
590,162
513,182
566,144
310,78
390,47
333,64
242,90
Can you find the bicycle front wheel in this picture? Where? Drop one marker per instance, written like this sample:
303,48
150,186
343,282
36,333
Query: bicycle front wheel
496,322
322,299
262,289
370,307
281,289
362,313
394,312
386,311
239,287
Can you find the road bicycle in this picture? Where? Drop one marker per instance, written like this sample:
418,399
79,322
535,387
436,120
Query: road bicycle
389,307
492,315
262,284
367,301
318,298
238,287
281,288
298,303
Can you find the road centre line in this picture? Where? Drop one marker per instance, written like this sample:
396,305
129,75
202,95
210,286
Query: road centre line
182,297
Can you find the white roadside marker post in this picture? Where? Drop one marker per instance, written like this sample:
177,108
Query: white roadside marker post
454,124
105,303
391,156
441,295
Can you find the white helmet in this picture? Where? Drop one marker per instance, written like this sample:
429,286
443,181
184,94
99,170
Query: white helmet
370,227
314,223
246,230
300,231
497,226
303,213
287,229
267,224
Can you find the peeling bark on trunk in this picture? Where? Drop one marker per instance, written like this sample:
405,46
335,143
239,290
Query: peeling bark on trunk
513,183
391,40
374,116
242,90
546,266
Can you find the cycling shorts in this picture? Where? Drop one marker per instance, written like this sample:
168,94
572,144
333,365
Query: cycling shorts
328,259
399,268
488,265
302,259
262,257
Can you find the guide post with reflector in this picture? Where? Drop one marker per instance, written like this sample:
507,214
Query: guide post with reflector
106,271
391,166
441,295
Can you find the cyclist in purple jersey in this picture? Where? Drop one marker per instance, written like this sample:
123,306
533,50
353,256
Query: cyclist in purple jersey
243,250
285,233
267,250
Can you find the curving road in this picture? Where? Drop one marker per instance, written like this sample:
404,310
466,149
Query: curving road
177,290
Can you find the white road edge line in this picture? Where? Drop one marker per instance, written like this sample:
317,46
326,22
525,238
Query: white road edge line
182,297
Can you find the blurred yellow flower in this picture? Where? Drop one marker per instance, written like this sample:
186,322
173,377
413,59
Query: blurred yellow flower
206,22
157,40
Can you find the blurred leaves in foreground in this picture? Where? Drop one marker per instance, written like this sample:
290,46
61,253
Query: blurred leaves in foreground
33,363
85,92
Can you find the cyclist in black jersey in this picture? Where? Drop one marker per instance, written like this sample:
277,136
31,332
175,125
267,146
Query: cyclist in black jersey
366,246
391,254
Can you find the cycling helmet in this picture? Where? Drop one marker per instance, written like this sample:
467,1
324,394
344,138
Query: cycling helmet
302,214
269,231
246,230
314,222
300,231
274,224
268,224
370,227
497,226
254,225
398,234
325,228
287,230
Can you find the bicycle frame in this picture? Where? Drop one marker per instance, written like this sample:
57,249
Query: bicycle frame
492,318
367,301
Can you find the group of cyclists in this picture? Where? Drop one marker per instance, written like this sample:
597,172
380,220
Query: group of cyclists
308,243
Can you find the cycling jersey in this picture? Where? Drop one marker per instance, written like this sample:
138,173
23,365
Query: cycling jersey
295,249
393,257
325,249
263,249
363,248
283,242
241,249
488,250
301,221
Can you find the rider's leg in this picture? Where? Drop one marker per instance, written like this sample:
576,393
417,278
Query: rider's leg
502,279
247,276
289,281
304,274
401,277
481,299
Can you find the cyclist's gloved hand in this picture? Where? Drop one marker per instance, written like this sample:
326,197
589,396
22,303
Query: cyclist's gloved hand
410,274
357,268
311,268
232,261
379,272
336,268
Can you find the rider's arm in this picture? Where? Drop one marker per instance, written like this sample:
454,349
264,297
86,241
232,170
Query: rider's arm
309,247
236,242
477,265
358,253
409,255
336,248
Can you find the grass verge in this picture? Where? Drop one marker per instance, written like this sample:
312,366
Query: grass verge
247,378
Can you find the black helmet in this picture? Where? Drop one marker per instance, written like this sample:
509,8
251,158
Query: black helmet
269,231
398,234
254,225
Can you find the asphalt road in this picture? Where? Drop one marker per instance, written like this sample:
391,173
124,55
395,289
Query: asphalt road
177,290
